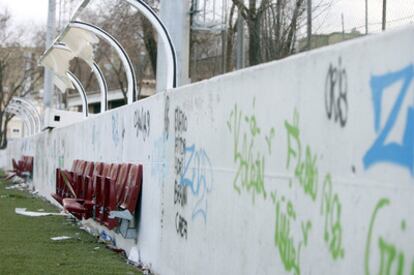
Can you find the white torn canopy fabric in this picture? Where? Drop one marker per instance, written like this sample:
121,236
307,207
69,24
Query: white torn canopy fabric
61,238
22,211
81,43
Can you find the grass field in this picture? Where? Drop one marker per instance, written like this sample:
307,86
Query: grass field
26,247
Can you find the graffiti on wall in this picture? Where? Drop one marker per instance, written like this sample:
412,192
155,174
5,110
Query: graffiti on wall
306,174
94,134
160,161
180,141
194,176
116,135
180,191
289,249
331,210
382,256
400,153
197,176
305,167
302,160
336,93
250,161
142,120
167,117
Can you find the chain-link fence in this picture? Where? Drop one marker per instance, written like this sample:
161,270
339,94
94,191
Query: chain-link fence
229,34
364,16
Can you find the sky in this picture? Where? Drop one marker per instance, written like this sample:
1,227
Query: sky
399,12
26,11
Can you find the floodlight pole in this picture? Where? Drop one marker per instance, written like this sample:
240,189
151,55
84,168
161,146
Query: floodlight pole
384,14
366,16
176,17
50,34
170,53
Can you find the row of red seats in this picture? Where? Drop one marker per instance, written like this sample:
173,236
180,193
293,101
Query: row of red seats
95,189
22,168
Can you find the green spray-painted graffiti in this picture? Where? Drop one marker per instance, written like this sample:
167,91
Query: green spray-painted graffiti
306,171
331,210
251,162
289,251
392,258
306,227
250,159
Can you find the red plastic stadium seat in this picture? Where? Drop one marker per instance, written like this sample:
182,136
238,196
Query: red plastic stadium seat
100,191
112,189
125,214
83,205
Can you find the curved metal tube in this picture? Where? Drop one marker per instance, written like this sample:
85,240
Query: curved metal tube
78,86
19,115
30,107
126,61
25,124
16,111
162,31
103,86
23,110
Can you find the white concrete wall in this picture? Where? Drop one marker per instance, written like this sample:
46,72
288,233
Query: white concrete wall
247,174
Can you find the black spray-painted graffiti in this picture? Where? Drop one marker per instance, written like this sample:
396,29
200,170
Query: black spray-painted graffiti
193,176
180,191
336,93
180,194
179,154
181,226
180,121
180,142
166,117
142,123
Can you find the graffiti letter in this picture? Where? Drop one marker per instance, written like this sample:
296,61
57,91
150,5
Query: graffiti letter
401,154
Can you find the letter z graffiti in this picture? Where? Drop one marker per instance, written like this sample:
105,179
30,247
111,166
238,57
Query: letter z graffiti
402,153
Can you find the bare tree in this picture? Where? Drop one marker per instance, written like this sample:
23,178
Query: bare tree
18,71
231,30
280,22
134,33
252,14
273,26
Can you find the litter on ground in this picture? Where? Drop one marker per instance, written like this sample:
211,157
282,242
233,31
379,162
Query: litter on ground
22,211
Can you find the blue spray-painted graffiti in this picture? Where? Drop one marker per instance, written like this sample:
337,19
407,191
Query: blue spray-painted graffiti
197,174
401,154
160,161
115,130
